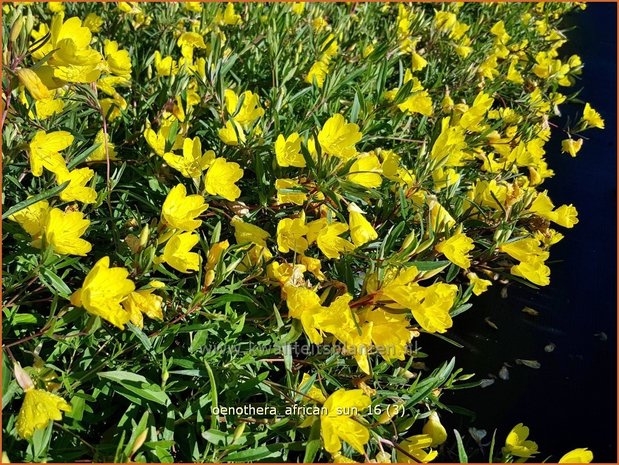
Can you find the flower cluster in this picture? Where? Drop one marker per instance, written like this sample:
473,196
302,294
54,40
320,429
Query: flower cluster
348,175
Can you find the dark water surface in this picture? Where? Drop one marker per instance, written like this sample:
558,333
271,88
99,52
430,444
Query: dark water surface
570,401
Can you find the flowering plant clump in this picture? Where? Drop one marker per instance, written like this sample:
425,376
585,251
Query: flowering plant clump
227,227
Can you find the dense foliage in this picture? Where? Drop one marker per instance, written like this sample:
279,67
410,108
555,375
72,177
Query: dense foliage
229,228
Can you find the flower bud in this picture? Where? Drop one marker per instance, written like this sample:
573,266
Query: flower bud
22,378
435,429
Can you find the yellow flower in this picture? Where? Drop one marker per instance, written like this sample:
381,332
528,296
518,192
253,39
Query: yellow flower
330,243
249,233
524,249
93,22
99,153
317,73
33,83
193,162
165,66
180,210
63,231
77,189
221,177
516,443
229,17
479,285
143,302
39,408
177,252
456,249
592,118
118,61
288,151
103,291
232,133
338,137
48,107
361,230
44,151
533,269
290,234
414,446
337,424
433,313
188,41
289,191
389,333
314,392
249,111
366,171
419,102
571,146
304,305
33,218
577,456
435,429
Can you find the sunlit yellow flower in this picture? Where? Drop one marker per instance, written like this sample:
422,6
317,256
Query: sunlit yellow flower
577,456
77,189
456,249
435,429
517,444
180,210
330,243
290,235
177,252
571,146
288,151
361,230
249,233
479,285
415,446
221,177
44,151
103,291
366,171
592,118
193,162
143,302
338,137
337,424
63,231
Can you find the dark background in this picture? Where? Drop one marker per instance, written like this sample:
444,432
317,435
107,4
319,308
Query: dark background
570,401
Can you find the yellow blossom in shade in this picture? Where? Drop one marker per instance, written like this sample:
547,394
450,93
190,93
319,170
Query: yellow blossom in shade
592,118
118,61
188,41
361,230
534,270
32,219
33,83
143,302
419,102
314,392
48,107
330,243
38,409
415,446
288,151
317,74
180,210
389,333
297,8
249,111
249,233
44,151
93,22
165,66
479,285
577,456
103,291
177,252
571,146
518,445
290,191
229,16
435,429
366,171
313,265
77,189
456,249
290,235
99,153
286,273
193,162
63,231
221,177
232,133
338,137
304,305
337,424
215,253
156,140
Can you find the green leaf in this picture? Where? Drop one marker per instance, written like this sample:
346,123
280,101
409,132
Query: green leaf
34,199
462,457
